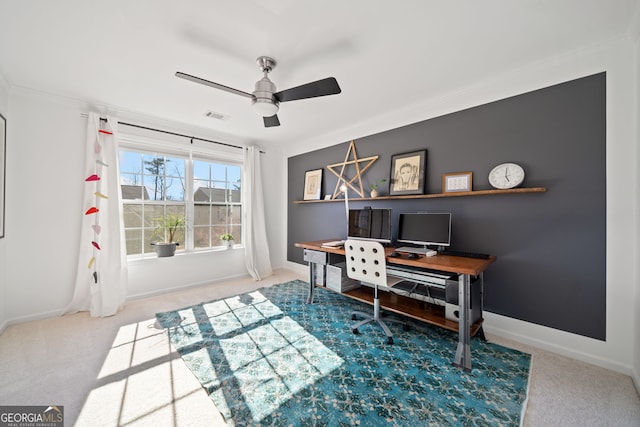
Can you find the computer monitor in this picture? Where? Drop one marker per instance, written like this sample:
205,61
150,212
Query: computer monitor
372,224
425,229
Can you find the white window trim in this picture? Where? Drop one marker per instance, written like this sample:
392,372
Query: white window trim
209,152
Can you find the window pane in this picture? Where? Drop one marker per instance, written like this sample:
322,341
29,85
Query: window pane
218,172
236,231
201,170
235,215
216,232
153,215
202,237
130,162
234,173
201,215
164,177
132,215
147,247
133,241
175,188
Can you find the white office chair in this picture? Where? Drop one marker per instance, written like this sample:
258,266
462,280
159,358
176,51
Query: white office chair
366,262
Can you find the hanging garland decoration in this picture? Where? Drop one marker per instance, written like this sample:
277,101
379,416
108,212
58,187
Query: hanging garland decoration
95,210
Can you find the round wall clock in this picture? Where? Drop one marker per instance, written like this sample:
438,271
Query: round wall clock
506,175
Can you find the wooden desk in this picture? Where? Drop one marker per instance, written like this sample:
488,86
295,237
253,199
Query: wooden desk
420,310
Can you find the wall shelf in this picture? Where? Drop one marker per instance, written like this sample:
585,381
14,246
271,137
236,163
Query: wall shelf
435,196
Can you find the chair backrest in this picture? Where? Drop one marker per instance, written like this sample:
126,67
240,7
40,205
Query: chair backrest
366,261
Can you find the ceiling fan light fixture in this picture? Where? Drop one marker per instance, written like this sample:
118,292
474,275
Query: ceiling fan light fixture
265,107
263,101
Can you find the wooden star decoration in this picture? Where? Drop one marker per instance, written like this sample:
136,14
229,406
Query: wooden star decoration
359,170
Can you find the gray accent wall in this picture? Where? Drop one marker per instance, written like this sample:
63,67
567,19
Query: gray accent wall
551,247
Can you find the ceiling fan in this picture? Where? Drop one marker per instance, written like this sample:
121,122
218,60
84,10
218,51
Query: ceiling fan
265,99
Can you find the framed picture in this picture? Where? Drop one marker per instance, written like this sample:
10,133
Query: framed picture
312,184
407,173
457,182
3,166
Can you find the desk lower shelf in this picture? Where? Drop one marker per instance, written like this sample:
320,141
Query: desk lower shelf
410,307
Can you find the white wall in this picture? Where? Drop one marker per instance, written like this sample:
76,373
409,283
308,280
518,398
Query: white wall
44,207
620,351
154,276
44,184
4,110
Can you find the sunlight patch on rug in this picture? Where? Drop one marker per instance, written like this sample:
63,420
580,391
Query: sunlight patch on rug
261,356
268,358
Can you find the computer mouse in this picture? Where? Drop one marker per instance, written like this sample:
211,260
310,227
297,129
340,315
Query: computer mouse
394,254
413,256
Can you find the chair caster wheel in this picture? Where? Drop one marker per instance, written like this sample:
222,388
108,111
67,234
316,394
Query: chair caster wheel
389,340
355,331
405,327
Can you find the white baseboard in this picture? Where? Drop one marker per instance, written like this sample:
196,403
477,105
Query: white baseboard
3,326
636,380
563,343
31,318
298,268
182,287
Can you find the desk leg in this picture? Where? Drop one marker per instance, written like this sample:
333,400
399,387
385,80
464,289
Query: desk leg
312,285
480,333
463,353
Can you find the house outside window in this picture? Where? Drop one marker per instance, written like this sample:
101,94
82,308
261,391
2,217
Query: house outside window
204,191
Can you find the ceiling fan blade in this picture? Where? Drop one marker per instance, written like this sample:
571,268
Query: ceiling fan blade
328,86
212,84
271,121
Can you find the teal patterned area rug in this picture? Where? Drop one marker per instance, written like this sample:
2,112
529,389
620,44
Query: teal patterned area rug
267,358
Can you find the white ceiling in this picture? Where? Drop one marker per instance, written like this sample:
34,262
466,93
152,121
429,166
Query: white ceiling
123,54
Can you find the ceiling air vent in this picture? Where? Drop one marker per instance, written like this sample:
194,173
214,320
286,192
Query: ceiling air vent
214,115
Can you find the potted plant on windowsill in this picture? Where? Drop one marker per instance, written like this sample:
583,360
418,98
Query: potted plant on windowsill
374,187
227,240
167,226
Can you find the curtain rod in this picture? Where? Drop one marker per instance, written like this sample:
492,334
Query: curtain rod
178,134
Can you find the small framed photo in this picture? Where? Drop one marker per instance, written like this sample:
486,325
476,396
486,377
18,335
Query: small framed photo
457,182
407,173
312,184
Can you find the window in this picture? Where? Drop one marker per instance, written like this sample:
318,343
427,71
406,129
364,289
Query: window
203,191
216,198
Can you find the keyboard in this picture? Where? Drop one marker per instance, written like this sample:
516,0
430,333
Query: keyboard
412,269
411,250
333,244
464,254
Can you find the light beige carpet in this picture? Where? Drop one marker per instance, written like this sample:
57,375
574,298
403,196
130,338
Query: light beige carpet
121,370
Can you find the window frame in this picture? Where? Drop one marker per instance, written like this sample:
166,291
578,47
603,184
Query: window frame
210,154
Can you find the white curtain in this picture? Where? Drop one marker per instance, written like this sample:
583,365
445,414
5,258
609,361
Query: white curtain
255,232
101,279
